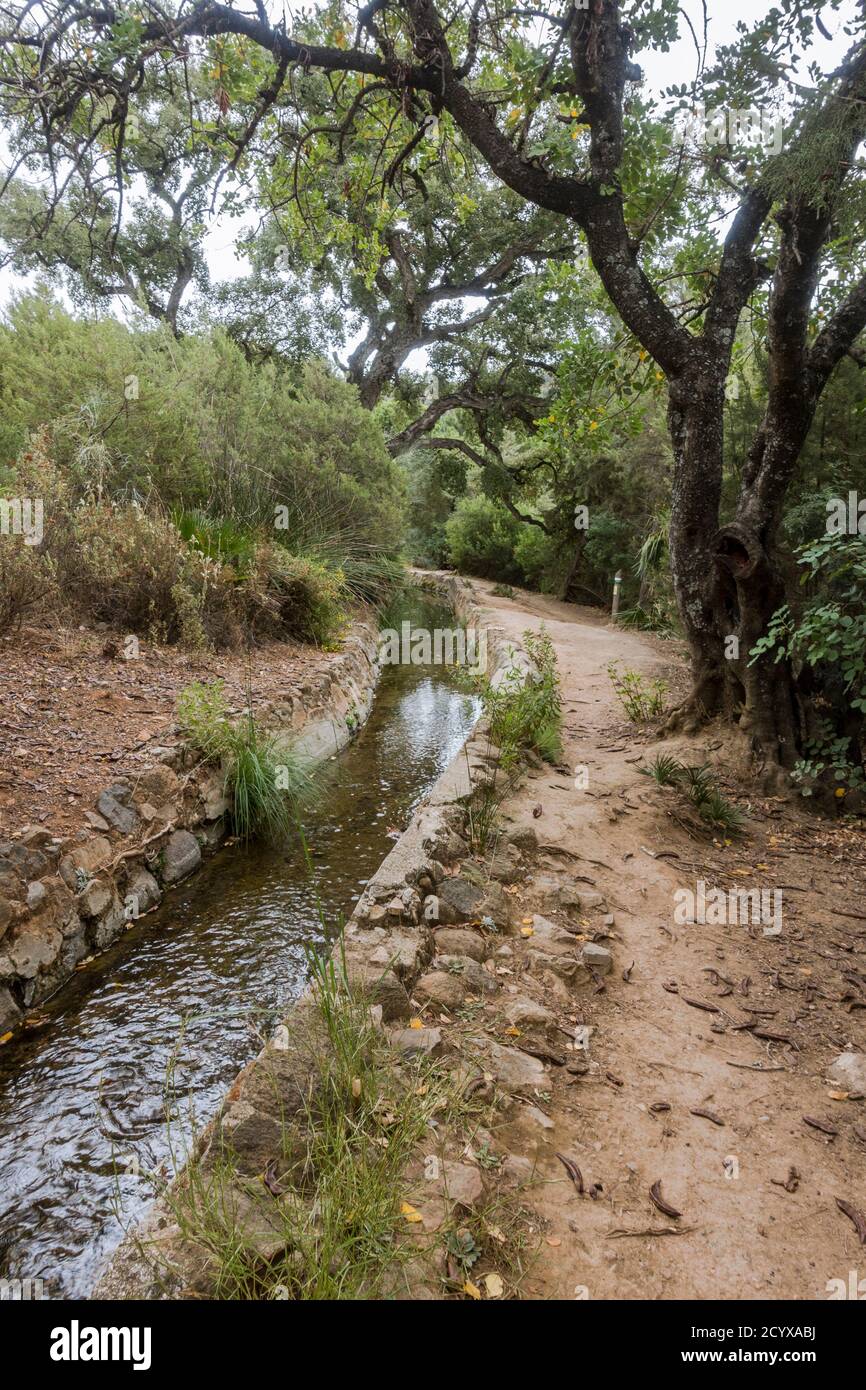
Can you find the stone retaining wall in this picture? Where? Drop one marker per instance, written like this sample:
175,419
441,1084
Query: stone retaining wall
64,900
388,943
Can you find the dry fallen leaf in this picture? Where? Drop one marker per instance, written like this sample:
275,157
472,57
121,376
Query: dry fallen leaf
415,1023
472,1289
356,1086
526,931
412,1214
554,1241
5,1038
494,1285
512,1032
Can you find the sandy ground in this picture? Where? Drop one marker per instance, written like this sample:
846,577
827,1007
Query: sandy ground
755,1186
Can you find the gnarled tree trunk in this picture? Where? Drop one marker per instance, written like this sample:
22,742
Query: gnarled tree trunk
727,581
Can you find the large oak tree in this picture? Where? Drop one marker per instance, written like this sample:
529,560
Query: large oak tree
549,98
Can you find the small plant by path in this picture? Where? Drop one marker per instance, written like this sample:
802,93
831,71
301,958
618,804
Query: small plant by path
641,698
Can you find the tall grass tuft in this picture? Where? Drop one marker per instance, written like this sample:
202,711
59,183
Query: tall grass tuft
263,780
699,784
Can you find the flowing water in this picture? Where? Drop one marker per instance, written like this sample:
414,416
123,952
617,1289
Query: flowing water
190,991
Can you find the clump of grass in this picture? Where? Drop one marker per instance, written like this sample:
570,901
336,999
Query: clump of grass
701,788
652,619
526,713
664,770
721,814
336,1213
331,1217
699,782
503,591
263,780
641,699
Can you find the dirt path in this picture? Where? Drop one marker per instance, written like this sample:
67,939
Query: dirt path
742,1232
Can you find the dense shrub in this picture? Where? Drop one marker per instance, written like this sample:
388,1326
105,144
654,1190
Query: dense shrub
541,559
481,539
27,586
825,640
137,414
189,496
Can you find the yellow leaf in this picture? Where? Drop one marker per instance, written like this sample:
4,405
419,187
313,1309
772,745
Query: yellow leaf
512,1032
494,1285
593,424
527,921
495,1234
472,1289
356,1086
838,1095
415,1023
422,1089
5,1038
412,1214
840,791
526,931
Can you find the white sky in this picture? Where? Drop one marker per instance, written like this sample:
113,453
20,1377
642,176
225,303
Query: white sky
661,70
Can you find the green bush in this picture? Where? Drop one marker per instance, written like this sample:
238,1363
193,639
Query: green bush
291,595
826,643
195,577
527,714
481,539
135,414
523,712
539,558
27,584
642,699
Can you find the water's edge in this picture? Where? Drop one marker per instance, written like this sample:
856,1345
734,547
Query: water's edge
152,1262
